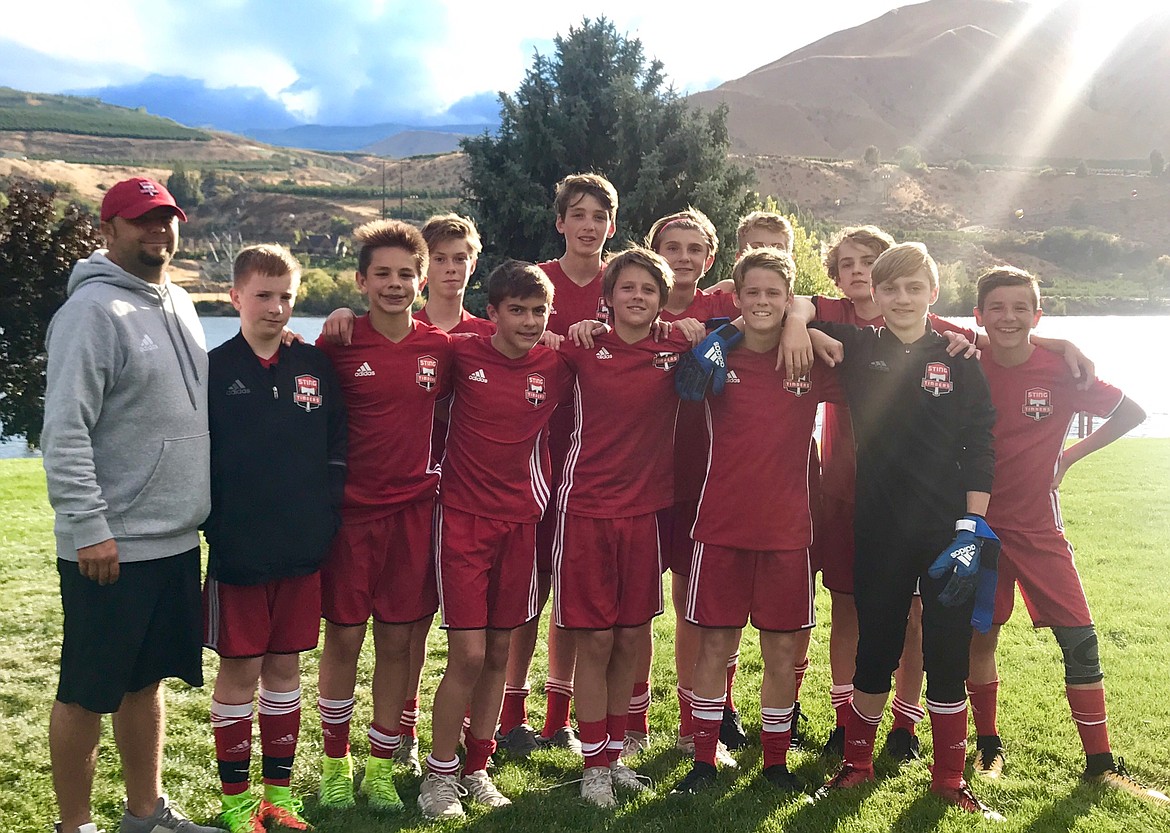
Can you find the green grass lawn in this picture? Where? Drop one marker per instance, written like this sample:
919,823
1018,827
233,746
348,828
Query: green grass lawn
1116,504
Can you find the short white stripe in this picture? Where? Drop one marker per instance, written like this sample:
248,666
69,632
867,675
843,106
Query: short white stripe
946,708
558,552
693,580
438,536
212,613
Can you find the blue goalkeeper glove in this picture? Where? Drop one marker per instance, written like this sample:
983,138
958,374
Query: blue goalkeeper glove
961,560
986,582
706,364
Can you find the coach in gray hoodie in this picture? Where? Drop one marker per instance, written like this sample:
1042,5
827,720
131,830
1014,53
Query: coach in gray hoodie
126,452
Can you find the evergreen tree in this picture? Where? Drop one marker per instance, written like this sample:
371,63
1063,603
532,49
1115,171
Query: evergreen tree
185,187
598,105
37,252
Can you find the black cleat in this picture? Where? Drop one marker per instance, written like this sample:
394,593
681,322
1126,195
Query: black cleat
731,730
989,757
701,777
835,745
778,776
799,723
902,747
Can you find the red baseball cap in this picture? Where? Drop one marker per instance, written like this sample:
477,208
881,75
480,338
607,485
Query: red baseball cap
131,198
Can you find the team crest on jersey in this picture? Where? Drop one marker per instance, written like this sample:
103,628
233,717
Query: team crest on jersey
798,387
602,311
307,393
534,393
937,379
1037,403
427,376
665,360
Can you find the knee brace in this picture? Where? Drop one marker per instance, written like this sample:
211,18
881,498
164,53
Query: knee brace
1081,662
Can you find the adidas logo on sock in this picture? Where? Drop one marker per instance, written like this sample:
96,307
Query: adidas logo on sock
242,746
287,739
732,379
478,376
604,354
147,344
236,388
365,370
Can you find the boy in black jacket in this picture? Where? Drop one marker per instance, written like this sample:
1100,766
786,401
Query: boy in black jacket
278,437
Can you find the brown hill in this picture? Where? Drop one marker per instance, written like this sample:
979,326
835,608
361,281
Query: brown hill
959,78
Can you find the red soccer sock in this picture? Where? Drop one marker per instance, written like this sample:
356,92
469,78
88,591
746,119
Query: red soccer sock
860,732
280,726
638,719
732,667
383,742
408,723
801,669
559,694
335,719
984,706
478,752
594,739
776,735
232,727
906,715
841,698
706,718
948,729
515,711
1088,711
615,726
686,702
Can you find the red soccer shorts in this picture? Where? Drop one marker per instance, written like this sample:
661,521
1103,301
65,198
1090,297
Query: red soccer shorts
486,571
774,588
681,544
833,543
607,572
1042,564
384,567
282,616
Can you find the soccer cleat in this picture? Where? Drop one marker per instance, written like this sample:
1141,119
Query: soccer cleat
378,786
902,746
778,776
799,724
731,731
847,777
627,780
965,800
241,813
701,777
165,817
480,788
597,787
685,744
989,757
336,790
634,743
282,809
723,756
1117,777
835,745
406,756
438,797
563,738
520,742
88,827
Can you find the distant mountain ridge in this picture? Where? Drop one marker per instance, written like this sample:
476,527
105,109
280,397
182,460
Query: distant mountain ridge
414,139
924,75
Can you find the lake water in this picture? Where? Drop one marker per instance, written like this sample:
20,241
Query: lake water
1124,349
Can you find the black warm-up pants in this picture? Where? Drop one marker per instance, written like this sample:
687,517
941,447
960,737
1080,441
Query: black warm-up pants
885,572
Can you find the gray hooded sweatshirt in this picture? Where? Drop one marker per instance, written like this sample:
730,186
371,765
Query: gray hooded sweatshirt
125,441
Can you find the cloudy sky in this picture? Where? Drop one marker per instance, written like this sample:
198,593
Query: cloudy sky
237,64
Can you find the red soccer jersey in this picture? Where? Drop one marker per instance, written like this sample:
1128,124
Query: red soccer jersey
690,446
619,462
390,394
573,303
497,463
1035,403
756,492
468,323
838,461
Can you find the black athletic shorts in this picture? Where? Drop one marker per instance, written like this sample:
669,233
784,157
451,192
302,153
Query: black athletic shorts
122,637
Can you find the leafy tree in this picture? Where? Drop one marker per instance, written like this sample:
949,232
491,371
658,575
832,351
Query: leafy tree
965,168
872,157
597,104
1082,170
811,276
1157,163
185,187
909,159
37,252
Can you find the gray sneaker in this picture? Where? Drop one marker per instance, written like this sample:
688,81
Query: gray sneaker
519,742
563,738
88,827
166,817
406,755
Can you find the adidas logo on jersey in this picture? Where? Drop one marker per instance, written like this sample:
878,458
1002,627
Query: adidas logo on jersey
879,366
478,376
237,388
365,370
731,379
604,354
714,354
147,344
